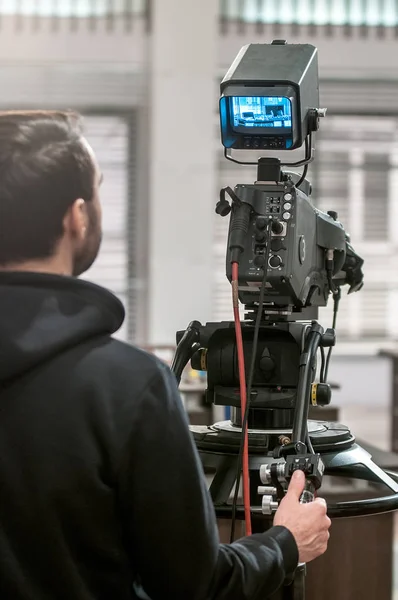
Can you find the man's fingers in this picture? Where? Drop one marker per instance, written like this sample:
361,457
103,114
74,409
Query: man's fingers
296,486
321,502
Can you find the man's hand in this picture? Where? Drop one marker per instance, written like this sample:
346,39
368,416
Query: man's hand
308,523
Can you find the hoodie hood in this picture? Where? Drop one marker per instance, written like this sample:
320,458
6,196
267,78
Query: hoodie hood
42,315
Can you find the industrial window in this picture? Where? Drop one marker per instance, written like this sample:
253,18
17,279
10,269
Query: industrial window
68,8
308,12
113,269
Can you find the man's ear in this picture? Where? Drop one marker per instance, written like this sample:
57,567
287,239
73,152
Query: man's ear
75,220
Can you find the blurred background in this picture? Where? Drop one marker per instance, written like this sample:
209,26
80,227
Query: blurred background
145,74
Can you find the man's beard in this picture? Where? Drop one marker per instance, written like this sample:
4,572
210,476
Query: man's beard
84,260
86,256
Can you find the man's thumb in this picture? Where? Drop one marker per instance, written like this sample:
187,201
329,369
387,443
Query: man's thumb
297,484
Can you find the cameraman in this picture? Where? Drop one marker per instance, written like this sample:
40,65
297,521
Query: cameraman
102,493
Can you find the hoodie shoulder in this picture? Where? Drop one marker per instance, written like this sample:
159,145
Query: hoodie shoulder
128,355
121,365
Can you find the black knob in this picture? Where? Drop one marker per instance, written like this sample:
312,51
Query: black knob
350,261
329,338
261,222
276,244
321,394
275,261
259,260
223,208
277,227
260,236
256,143
333,214
267,362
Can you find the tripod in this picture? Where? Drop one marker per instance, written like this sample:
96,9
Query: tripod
274,405
277,421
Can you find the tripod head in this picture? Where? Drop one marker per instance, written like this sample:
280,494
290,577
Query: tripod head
276,374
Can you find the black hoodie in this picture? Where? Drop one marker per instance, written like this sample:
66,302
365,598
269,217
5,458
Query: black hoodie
102,494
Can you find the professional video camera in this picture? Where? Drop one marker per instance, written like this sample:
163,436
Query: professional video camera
285,259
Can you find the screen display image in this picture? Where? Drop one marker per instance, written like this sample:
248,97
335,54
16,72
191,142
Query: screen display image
253,114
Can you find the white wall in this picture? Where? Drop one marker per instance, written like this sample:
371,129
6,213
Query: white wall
182,165
364,381
339,55
67,45
79,68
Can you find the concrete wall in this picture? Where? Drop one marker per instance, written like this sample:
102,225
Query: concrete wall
364,381
340,56
80,45
182,165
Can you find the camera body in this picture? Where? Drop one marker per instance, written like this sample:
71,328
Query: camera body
270,101
294,257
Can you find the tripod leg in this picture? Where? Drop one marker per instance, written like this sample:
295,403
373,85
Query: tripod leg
287,593
299,583
224,480
296,590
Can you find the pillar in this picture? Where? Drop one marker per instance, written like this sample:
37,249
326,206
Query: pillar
182,170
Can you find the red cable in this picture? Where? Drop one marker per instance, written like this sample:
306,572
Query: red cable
243,397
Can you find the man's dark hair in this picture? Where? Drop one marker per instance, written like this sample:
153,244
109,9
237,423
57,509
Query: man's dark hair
44,168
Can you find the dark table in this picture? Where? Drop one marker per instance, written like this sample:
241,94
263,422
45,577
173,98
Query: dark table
358,564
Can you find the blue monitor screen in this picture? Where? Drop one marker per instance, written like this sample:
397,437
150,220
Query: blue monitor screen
253,114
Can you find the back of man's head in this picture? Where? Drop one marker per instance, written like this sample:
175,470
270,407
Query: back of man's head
45,167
